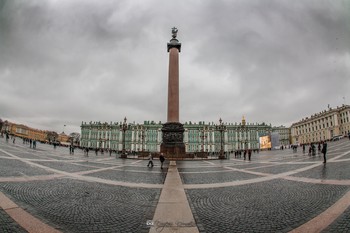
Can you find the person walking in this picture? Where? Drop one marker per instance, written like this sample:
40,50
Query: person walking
249,154
150,160
310,150
324,151
162,159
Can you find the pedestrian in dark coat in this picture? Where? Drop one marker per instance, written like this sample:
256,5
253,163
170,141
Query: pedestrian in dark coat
161,159
324,151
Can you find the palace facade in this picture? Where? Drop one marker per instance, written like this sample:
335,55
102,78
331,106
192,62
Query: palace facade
322,126
198,137
23,131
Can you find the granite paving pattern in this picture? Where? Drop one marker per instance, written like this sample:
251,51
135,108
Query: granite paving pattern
63,166
279,169
126,194
273,206
8,225
214,177
342,224
136,177
202,169
11,167
78,206
331,171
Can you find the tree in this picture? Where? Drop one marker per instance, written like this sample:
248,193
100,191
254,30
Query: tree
52,136
75,137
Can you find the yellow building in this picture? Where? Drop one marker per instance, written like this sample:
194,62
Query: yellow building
63,138
322,126
24,131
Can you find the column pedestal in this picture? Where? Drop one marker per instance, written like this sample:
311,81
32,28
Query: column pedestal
172,145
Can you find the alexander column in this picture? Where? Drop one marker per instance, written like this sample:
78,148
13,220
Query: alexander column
172,145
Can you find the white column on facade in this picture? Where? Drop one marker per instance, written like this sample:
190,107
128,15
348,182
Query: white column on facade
109,139
336,123
120,141
186,136
159,139
213,138
206,141
159,135
133,140
225,140
89,134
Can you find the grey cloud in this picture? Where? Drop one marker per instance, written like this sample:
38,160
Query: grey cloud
63,62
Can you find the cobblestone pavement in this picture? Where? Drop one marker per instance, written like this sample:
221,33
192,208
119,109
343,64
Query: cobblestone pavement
277,191
60,189
342,224
78,206
8,225
286,190
272,206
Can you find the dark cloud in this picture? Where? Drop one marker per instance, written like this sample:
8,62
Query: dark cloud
63,62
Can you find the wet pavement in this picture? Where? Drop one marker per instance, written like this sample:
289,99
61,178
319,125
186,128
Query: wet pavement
278,191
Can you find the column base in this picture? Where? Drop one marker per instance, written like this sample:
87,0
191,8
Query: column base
172,145
175,151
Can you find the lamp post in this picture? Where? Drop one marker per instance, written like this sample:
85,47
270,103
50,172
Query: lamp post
221,128
124,127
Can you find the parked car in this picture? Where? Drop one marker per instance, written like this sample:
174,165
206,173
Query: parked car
337,138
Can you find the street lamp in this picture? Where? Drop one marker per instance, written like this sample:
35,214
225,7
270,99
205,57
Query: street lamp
221,128
124,127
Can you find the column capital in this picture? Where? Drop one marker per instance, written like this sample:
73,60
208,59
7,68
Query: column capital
174,43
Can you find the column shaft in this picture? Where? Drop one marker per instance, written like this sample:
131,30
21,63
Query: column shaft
173,86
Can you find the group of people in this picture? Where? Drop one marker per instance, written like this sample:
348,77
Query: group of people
161,159
238,154
322,148
31,142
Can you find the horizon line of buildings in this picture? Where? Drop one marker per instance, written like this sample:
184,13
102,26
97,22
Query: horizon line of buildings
201,136
198,137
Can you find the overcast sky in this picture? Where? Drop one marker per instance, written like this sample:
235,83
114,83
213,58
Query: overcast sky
275,61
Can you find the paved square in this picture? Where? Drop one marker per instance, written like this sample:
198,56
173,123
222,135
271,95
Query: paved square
278,191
